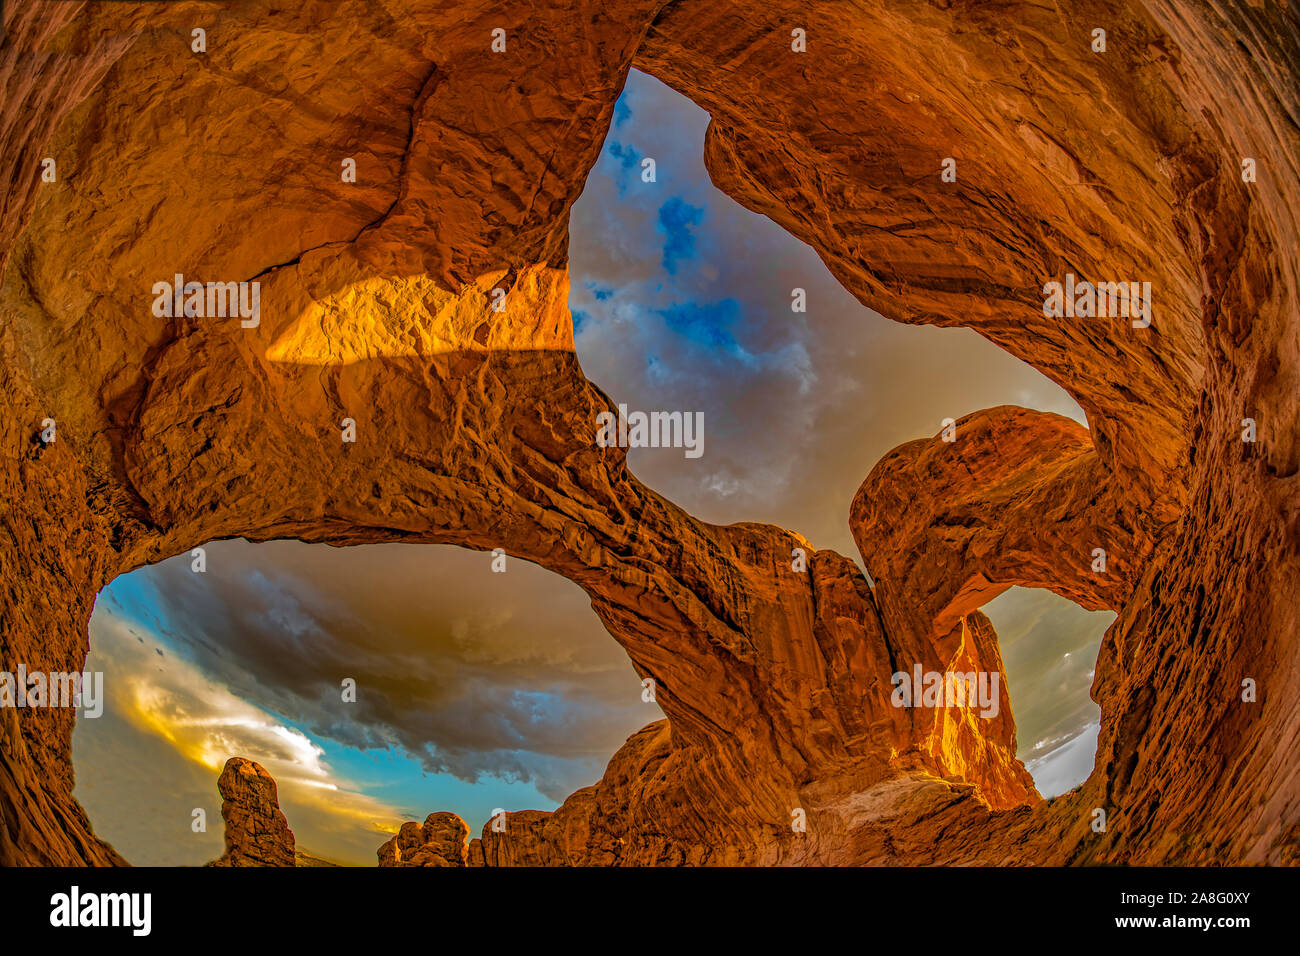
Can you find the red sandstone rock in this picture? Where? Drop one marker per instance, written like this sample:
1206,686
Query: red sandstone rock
1016,498
476,426
440,841
257,834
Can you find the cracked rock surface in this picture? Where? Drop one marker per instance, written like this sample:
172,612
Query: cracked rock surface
257,833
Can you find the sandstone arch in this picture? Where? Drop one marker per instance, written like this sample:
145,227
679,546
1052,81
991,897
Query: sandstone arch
176,431
1019,498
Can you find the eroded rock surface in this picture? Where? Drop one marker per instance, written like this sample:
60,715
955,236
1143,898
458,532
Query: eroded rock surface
442,840
476,427
1012,497
257,833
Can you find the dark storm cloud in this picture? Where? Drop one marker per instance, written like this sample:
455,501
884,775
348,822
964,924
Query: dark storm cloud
472,672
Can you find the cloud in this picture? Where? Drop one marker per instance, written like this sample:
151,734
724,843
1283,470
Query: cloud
473,674
1067,765
156,692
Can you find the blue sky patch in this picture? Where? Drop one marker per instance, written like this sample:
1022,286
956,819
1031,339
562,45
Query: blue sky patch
677,220
627,156
622,112
707,323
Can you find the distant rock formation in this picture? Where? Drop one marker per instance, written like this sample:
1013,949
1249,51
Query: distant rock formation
257,833
439,841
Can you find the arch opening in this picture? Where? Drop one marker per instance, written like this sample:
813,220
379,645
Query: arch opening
684,300
1049,649
474,690
687,302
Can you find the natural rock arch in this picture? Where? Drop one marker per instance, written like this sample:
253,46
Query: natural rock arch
476,427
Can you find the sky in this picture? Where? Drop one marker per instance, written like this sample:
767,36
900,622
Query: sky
475,691
480,690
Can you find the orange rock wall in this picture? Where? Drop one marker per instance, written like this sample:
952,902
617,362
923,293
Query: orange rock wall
476,427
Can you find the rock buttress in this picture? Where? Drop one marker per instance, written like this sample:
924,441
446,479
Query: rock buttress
257,833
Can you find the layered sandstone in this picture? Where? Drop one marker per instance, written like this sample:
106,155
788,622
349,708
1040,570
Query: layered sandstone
257,833
475,427
1013,497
